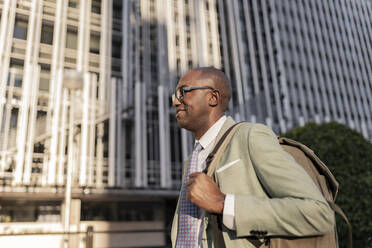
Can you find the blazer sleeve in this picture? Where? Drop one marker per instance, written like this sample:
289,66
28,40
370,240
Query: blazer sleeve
295,206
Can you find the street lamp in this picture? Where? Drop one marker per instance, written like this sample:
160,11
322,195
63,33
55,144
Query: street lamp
72,81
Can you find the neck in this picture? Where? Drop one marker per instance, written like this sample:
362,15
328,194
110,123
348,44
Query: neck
202,130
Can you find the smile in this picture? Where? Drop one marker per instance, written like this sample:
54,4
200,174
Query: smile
178,111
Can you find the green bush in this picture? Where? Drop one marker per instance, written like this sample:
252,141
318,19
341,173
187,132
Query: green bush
349,157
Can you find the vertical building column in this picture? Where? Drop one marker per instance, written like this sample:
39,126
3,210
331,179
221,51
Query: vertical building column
62,140
126,60
270,41
165,170
22,123
182,37
172,61
27,81
171,44
5,15
366,71
6,37
118,148
355,73
249,98
333,84
143,124
225,44
163,98
138,136
145,85
53,115
34,92
309,105
83,66
112,133
312,65
138,103
215,34
84,36
296,77
8,114
194,39
32,125
92,128
349,104
202,31
282,84
104,77
262,58
84,130
240,114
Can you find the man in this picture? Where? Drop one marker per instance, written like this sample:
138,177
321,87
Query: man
261,190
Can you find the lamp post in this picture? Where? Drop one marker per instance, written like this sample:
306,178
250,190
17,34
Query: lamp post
73,80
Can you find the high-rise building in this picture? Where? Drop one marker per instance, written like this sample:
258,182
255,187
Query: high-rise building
103,140
109,130
294,62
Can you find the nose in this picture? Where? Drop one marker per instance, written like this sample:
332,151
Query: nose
175,101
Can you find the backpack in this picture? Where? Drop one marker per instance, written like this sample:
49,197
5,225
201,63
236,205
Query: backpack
319,173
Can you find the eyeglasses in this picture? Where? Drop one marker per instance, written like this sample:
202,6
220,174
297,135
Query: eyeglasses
180,92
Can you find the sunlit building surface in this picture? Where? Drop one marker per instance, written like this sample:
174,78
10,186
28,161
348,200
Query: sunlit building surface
114,139
295,62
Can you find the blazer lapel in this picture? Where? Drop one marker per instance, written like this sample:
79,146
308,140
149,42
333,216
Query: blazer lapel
228,123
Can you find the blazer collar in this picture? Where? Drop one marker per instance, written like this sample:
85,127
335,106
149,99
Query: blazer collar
228,123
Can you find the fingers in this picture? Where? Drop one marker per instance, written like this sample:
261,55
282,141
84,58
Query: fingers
195,174
192,178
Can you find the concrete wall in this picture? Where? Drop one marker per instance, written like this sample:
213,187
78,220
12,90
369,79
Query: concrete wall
106,234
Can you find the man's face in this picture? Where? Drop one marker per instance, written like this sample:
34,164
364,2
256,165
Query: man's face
192,110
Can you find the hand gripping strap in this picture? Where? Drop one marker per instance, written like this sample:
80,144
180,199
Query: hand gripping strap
210,168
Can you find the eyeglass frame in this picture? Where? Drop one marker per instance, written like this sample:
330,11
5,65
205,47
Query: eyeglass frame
185,89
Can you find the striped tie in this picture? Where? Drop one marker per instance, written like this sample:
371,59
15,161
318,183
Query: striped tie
188,235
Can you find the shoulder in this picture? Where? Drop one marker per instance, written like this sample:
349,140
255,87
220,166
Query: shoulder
249,128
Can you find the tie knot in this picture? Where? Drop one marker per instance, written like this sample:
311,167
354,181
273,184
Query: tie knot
197,147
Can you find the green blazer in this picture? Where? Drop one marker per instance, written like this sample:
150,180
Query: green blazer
274,196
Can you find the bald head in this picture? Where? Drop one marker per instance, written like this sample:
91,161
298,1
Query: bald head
220,82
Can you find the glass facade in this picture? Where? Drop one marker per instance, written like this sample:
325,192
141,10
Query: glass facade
290,62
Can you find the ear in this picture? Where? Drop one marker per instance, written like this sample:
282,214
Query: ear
214,98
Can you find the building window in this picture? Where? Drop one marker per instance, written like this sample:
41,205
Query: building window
17,66
188,43
73,3
94,43
44,77
116,49
20,27
96,6
117,10
47,34
71,38
30,211
120,211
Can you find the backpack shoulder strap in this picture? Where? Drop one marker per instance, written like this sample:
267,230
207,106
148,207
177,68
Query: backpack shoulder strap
212,158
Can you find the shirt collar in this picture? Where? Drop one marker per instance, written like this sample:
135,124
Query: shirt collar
212,133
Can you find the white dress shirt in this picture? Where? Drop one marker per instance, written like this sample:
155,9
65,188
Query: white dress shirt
207,141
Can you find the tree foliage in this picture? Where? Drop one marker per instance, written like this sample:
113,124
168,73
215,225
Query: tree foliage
349,157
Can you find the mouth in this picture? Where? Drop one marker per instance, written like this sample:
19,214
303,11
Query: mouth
178,111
